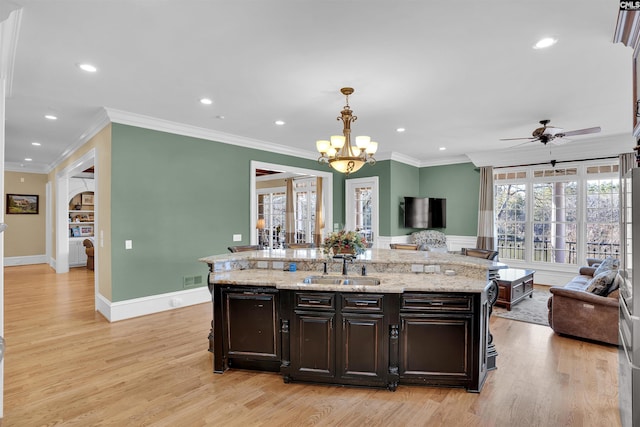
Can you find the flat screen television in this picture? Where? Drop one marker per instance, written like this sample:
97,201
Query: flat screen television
425,212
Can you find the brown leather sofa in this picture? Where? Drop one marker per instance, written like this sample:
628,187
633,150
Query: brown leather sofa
575,311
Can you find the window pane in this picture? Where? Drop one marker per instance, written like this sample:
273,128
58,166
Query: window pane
603,216
510,218
554,222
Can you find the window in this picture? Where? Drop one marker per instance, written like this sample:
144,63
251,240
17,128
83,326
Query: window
557,215
305,209
510,219
361,207
271,208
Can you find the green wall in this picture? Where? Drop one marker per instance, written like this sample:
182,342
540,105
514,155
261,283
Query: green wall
405,181
460,185
179,199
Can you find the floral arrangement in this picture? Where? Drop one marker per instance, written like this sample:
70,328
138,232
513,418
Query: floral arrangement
344,242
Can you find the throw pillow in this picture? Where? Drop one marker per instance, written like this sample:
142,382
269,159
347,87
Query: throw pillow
615,284
599,285
608,264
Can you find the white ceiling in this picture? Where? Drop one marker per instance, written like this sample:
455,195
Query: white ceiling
459,75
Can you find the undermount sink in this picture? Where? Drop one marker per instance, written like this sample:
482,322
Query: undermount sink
342,280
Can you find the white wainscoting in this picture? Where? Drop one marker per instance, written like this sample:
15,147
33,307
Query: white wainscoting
454,243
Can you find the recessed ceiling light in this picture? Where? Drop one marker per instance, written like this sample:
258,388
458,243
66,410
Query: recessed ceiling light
28,159
442,148
37,144
220,117
88,68
279,122
400,130
544,43
206,101
50,117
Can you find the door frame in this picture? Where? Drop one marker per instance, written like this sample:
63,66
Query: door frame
327,193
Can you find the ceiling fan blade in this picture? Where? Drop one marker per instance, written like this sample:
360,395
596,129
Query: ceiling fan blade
526,142
514,139
582,131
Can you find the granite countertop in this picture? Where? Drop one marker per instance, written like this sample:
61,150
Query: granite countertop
395,269
389,282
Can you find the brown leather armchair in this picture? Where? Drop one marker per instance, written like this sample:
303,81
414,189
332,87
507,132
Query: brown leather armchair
480,253
404,246
298,245
243,248
88,248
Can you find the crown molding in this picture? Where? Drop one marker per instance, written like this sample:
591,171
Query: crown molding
99,121
152,123
19,167
442,161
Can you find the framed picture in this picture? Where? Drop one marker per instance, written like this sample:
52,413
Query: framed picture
22,204
75,232
87,199
86,230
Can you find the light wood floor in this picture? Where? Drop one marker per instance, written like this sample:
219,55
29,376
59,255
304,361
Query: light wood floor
66,365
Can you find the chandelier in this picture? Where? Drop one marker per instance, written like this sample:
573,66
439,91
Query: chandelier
339,153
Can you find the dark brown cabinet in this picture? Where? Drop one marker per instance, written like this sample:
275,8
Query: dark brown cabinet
249,328
339,338
438,344
362,339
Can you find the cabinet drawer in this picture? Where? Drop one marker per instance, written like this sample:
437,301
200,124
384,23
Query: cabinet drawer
362,302
315,299
436,302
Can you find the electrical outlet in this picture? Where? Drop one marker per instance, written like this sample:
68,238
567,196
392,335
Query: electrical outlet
237,237
128,244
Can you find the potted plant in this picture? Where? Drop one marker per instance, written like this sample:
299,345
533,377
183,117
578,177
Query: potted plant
344,242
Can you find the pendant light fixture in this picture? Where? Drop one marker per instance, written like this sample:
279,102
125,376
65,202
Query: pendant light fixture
338,151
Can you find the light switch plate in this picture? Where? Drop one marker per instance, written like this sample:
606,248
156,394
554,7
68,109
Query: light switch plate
128,244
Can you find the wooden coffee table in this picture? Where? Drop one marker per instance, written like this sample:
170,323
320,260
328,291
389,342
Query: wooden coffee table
515,284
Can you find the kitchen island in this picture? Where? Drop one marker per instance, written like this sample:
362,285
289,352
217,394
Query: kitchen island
413,318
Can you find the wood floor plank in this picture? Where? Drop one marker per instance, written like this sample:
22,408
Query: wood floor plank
65,365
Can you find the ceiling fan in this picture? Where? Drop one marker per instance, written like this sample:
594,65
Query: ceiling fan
547,133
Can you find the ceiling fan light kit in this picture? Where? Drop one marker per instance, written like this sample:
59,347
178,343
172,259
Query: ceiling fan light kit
338,152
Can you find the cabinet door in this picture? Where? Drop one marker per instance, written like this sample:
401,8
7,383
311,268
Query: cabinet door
362,352
251,325
313,345
435,346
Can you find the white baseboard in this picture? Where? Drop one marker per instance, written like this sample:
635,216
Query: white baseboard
25,260
121,310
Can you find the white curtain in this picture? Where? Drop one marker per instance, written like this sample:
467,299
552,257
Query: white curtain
289,220
319,225
486,233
